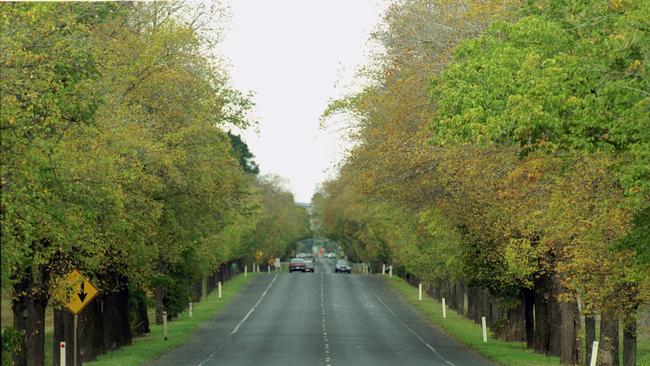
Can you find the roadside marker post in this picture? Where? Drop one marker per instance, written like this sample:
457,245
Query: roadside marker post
219,289
62,354
444,309
383,269
268,269
420,292
594,354
165,325
484,329
390,272
190,309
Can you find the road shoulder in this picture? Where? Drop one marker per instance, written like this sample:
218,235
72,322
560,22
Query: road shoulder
465,331
152,347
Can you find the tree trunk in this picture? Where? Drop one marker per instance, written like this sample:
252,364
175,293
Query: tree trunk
138,312
28,305
555,342
590,336
542,326
484,305
159,293
570,349
90,332
629,341
516,330
461,292
528,298
117,329
608,345
469,303
489,308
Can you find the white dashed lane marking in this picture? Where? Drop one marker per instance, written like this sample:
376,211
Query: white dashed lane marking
323,312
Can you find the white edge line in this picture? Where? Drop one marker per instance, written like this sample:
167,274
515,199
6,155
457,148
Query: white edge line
241,321
411,330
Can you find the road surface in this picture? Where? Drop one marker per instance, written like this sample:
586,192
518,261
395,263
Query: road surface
319,318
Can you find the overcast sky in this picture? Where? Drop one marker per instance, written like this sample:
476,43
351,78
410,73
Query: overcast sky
291,53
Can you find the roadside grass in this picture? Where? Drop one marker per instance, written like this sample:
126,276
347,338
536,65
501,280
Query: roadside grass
470,333
643,349
151,346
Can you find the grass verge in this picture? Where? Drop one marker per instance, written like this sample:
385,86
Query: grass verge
469,333
149,347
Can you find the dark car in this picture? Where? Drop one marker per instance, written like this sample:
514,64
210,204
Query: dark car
343,266
297,264
309,264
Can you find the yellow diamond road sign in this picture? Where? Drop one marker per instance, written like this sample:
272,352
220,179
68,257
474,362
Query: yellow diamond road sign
259,254
81,294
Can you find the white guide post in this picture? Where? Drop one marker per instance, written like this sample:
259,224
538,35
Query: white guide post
444,309
190,309
268,268
390,272
62,354
484,329
420,292
594,354
165,325
383,269
219,289
245,270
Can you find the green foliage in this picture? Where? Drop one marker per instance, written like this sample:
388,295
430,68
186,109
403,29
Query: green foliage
115,155
569,76
11,339
499,142
243,155
280,223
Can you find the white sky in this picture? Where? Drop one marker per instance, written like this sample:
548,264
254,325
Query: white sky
291,53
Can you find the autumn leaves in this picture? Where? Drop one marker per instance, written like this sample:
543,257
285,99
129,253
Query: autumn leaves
509,153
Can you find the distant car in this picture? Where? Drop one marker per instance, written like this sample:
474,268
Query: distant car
309,264
297,264
342,266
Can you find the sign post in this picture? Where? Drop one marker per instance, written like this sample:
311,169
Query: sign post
83,292
74,341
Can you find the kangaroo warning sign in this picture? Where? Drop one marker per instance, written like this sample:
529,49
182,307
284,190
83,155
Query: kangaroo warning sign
79,292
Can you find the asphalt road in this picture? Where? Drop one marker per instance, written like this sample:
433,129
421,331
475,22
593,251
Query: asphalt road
319,318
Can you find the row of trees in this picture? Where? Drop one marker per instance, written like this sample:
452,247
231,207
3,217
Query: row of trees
501,156
116,161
